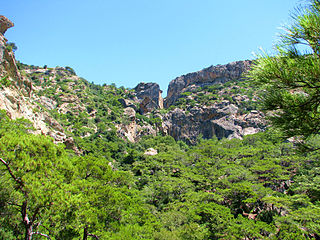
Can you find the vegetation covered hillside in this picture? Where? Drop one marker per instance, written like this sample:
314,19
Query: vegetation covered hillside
231,189
101,162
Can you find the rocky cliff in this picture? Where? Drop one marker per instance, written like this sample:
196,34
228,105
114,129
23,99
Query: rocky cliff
208,76
214,102
221,120
16,92
149,97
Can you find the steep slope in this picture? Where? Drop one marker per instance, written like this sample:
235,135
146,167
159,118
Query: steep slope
206,77
85,110
17,96
214,102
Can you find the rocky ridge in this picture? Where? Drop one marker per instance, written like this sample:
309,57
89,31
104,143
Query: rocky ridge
213,102
208,76
17,96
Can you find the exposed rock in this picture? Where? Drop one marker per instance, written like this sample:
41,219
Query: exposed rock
53,123
8,66
127,103
149,96
5,23
208,76
68,98
47,102
220,120
17,97
130,129
151,152
130,113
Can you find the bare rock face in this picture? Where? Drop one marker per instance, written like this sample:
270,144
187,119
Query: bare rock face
8,66
221,120
17,98
5,23
131,130
149,97
127,103
208,76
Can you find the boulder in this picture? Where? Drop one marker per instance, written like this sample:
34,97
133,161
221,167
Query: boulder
127,103
151,152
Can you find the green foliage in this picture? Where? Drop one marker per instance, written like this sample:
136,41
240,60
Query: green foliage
241,92
11,47
231,189
5,81
259,187
291,77
71,70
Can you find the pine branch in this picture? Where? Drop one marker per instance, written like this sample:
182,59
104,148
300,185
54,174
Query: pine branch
41,234
92,235
17,180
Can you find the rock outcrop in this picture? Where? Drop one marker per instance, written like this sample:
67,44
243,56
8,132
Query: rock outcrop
58,90
149,97
208,76
16,96
8,66
217,118
221,120
5,24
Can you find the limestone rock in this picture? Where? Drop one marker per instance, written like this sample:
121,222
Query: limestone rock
5,23
48,103
9,69
130,129
130,113
127,103
149,96
221,120
208,76
151,152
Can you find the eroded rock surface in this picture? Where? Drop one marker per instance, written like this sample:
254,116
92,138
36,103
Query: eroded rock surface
149,96
208,76
5,24
16,93
221,120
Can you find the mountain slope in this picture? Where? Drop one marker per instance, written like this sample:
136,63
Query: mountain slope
214,102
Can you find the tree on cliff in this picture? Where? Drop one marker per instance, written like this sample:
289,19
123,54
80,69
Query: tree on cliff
291,77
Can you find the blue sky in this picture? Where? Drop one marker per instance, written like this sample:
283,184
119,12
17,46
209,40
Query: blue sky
131,41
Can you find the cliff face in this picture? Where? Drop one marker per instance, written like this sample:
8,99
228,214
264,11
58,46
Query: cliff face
5,24
149,97
213,102
221,120
16,92
208,76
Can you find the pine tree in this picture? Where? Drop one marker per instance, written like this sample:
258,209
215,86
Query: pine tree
291,77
